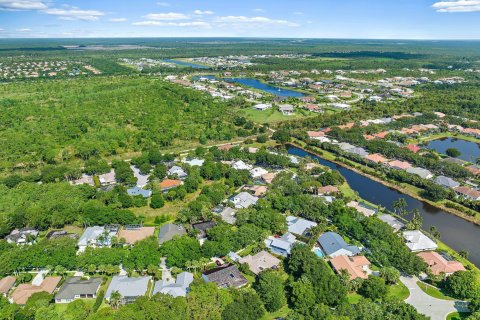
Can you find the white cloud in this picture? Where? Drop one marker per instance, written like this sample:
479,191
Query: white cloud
170,16
163,4
457,6
298,13
22,5
258,10
24,30
75,14
254,21
199,24
117,19
200,12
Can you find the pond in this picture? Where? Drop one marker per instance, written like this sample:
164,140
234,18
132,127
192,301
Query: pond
470,151
457,233
187,64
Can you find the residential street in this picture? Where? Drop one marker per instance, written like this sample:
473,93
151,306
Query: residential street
436,309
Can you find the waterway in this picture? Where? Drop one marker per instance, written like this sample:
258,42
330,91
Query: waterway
186,64
457,233
470,151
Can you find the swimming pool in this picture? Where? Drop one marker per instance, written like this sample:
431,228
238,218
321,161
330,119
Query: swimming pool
318,252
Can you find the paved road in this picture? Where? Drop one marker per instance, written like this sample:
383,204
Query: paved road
436,309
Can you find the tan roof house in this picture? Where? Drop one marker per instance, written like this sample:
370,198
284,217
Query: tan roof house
439,264
135,234
268,177
6,284
357,266
26,290
327,190
376,158
260,261
400,165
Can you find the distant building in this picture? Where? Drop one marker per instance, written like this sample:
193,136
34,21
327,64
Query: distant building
97,237
77,288
417,241
170,230
299,226
333,245
422,173
393,222
446,182
286,109
6,284
467,193
177,171
135,233
228,215
130,288
225,277
244,200
136,191
356,267
168,184
281,245
25,290
107,178
22,236
179,288
438,264
260,262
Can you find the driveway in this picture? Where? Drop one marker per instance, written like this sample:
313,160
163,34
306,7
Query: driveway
434,308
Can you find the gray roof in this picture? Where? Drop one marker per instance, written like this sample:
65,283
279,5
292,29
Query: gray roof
244,200
332,242
178,171
392,221
228,215
299,225
345,146
359,151
128,287
177,288
446,182
77,286
455,160
226,276
90,235
170,230
422,173
135,191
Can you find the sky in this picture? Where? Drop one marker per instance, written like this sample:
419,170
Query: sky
363,19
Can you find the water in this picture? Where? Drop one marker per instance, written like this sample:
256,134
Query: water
254,83
457,233
470,150
187,64
318,252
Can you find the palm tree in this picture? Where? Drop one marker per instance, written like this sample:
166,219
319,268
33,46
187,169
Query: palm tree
115,299
399,206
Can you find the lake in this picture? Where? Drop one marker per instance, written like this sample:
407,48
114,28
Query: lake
187,64
457,233
470,150
257,84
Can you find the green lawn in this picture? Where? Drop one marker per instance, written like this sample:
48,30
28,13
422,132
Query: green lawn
282,313
458,315
399,291
433,291
353,298
272,115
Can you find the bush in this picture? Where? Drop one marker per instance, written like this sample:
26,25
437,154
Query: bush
157,201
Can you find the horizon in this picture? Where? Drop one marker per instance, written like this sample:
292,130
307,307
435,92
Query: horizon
324,19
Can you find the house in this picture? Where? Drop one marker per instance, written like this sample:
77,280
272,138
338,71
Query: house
225,276
393,222
422,173
202,227
56,234
226,147
194,162
327,190
244,200
281,245
262,106
170,230
107,178
6,284
333,245
341,106
362,208
260,261
129,288
257,172
356,267
286,109
168,184
315,134
142,179
177,171
345,146
134,233
97,237
77,288
358,151
460,162
399,165
25,290
179,288
228,215
258,191
84,179
446,182
137,191
475,170
299,226
468,193
376,158
417,241
438,264
22,236
240,165
413,148
268,177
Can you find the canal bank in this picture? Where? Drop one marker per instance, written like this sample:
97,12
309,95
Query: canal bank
455,232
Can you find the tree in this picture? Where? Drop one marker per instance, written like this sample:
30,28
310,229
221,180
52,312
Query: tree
302,296
77,310
271,289
245,306
157,201
399,206
207,302
373,288
390,275
262,138
434,232
115,299
462,284
453,152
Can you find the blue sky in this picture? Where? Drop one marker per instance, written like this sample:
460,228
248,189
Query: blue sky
381,19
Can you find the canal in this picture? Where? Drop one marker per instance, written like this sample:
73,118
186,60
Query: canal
187,64
457,233
470,151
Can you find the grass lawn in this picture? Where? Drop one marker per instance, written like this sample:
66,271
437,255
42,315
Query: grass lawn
399,291
282,313
458,315
353,298
433,291
272,115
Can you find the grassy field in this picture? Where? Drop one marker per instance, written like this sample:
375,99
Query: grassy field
458,315
353,298
282,313
272,115
399,291
433,291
